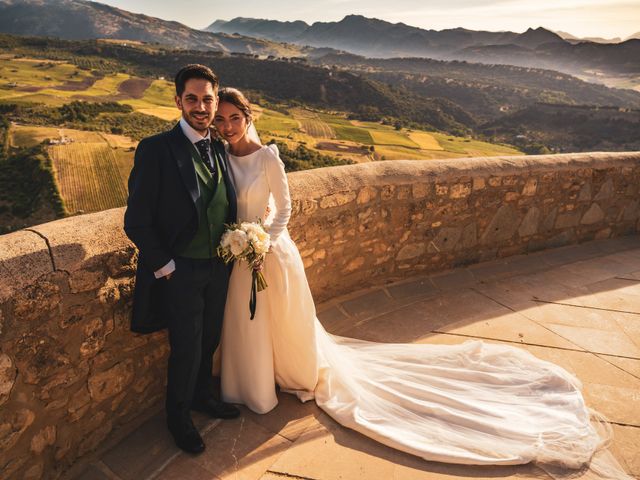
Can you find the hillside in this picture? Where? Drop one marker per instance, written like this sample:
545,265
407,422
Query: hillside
78,19
485,91
278,80
566,128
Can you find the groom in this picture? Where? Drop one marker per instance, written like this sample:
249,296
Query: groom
180,197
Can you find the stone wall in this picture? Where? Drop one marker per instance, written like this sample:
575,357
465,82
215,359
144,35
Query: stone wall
360,225
72,376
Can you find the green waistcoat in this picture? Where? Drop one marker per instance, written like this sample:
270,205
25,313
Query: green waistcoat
213,209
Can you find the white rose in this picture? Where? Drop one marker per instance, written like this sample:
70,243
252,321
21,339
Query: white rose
261,247
250,228
237,242
225,240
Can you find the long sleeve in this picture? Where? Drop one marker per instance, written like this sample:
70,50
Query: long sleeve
143,198
277,179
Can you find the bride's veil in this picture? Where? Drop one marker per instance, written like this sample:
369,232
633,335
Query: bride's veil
252,134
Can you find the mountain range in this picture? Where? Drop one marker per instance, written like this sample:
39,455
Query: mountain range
355,34
375,38
78,19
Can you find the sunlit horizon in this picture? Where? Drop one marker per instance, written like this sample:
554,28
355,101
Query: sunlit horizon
581,18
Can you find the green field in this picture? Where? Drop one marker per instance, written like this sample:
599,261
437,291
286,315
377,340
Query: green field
276,122
57,83
353,134
334,134
89,176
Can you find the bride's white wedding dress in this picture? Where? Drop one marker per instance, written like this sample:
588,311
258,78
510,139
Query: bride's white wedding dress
474,403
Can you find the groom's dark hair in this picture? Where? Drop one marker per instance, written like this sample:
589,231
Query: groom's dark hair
194,70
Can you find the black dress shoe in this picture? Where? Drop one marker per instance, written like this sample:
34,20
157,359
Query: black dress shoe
216,409
185,435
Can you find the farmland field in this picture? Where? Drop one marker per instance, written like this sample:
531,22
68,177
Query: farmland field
312,124
272,121
392,138
354,134
56,83
334,134
27,135
89,176
425,141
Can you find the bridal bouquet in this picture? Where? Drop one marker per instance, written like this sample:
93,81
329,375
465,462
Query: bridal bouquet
249,242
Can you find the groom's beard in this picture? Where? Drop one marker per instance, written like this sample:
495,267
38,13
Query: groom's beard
200,124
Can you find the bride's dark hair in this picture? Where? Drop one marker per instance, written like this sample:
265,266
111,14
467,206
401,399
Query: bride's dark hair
236,98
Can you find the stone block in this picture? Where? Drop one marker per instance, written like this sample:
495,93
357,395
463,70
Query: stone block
478,183
34,472
549,220
529,225
13,423
567,220
495,181
43,439
354,264
366,195
442,189
8,373
411,250
39,356
593,215
109,383
585,193
469,236
24,257
420,190
460,190
631,211
502,227
511,196
337,199
308,206
606,191
530,187
387,192
446,240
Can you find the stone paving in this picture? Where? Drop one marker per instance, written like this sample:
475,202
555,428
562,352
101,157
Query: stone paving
577,306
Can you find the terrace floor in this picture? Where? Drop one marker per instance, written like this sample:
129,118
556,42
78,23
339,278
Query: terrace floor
577,306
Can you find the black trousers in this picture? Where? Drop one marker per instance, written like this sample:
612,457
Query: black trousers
196,294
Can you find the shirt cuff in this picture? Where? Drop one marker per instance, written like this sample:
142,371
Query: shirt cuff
166,270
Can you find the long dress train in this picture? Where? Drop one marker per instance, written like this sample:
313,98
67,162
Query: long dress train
474,403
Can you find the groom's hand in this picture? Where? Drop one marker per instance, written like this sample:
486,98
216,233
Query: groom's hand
168,276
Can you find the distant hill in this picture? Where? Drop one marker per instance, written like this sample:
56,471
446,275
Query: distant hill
565,128
573,39
79,19
486,91
369,37
254,27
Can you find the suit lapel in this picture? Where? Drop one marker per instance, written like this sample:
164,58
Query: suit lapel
181,152
221,154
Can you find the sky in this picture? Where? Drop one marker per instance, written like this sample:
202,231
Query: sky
582,18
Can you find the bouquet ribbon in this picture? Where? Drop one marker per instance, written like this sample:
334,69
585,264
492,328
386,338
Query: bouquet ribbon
258,283
254,293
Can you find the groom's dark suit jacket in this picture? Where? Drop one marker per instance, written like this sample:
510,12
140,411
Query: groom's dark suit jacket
162,215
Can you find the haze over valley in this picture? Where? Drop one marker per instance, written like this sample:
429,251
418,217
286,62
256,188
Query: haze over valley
81,82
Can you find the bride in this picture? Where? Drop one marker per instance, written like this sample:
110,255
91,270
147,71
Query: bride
474,403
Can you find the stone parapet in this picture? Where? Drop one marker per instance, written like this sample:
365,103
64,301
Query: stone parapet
72,375
362,225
